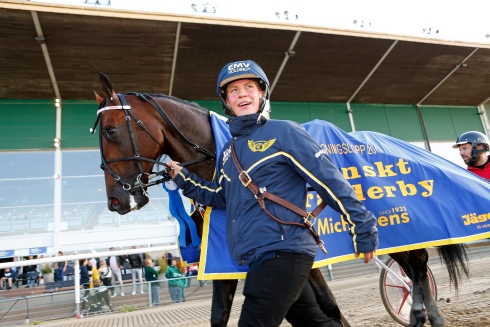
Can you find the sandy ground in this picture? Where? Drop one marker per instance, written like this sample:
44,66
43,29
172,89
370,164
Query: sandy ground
360,301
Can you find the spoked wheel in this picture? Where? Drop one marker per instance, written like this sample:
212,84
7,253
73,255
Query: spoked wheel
396,298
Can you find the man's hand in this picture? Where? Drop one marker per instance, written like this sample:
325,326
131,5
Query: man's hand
174,168
367,256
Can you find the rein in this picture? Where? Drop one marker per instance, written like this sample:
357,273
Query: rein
129,116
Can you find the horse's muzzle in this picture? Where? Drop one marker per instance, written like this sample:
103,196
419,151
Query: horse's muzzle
129,202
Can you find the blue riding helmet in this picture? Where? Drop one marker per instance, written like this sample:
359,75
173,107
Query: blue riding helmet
239,70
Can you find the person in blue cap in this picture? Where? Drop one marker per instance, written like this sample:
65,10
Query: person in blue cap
281,158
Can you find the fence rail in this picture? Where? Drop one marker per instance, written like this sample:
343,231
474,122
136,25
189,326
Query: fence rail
77,257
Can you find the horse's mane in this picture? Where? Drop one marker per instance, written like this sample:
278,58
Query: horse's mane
192,105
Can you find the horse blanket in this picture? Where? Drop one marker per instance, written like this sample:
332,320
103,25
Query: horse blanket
419,198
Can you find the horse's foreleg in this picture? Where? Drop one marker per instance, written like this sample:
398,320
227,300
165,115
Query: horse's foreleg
436,317
325,298
223,294
417,314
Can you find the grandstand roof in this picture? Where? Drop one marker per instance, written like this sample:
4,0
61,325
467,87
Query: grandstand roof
138,51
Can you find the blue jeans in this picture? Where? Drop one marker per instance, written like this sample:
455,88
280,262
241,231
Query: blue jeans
175,293
31,276
60,274
155,296
189,275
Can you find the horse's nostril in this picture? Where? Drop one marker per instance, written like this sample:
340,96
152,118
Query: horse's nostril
115,201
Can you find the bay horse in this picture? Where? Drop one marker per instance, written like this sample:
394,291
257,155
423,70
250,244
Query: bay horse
136,129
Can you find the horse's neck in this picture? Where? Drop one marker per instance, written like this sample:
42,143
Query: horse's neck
184,153
197,129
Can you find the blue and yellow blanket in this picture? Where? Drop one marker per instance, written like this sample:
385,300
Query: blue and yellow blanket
419,198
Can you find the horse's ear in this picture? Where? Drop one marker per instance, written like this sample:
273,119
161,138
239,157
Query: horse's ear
106,86
98,98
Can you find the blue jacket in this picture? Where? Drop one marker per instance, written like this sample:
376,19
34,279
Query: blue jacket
84,276
281,156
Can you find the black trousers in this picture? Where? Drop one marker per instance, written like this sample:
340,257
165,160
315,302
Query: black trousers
108,283
86,293
279,289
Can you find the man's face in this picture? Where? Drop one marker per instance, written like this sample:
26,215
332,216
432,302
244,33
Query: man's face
243,97
465,152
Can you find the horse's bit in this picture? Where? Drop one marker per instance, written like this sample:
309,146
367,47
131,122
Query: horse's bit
163,173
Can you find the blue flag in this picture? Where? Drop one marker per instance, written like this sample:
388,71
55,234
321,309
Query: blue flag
189,240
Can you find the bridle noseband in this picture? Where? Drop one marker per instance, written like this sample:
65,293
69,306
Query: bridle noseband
129,116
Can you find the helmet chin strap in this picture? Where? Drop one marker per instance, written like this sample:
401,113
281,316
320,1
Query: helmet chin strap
265,113
474,154
264,107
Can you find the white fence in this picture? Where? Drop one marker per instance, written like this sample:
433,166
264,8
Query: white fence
77,257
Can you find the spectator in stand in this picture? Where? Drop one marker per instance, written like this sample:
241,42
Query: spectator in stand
61,268
84,281
168,256
162,263
151,276
95,275
31,271
180,265
191,271
84,274
136,270
17,271
106,276
175,282
146,256
116,264
70,269
40,267
9,277
89,271
94,262
54,267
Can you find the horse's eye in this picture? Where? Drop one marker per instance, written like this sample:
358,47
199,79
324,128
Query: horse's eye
110,131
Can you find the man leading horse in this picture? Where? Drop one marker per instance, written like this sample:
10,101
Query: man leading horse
268,227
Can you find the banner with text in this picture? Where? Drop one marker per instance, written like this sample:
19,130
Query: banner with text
418,198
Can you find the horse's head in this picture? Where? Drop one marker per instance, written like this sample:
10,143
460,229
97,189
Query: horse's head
130,142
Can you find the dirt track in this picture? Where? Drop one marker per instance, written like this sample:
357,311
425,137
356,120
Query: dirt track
357,292
360,302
